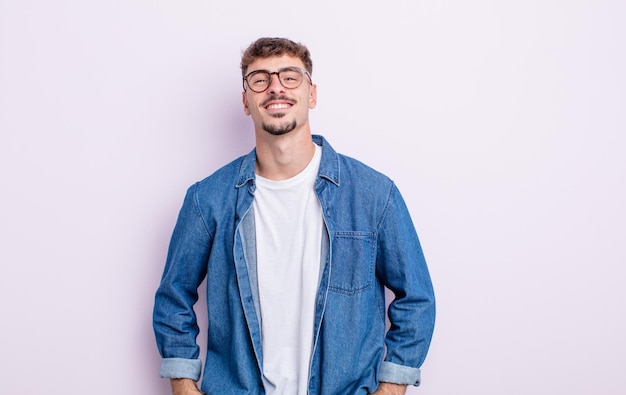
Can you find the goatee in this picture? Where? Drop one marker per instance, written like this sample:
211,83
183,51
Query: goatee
278,130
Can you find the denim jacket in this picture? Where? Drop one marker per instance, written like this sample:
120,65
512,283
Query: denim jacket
370,243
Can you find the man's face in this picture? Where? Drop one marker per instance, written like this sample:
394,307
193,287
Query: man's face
279,110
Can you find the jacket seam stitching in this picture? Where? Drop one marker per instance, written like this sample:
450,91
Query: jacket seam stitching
196,208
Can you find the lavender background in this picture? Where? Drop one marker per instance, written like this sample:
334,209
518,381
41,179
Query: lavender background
501,122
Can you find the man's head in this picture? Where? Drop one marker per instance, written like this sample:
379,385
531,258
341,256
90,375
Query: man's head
267,47
278,90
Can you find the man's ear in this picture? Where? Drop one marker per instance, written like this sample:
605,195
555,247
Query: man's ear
244,99
313,96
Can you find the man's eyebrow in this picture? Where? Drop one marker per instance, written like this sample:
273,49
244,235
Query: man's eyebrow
281,69
254,71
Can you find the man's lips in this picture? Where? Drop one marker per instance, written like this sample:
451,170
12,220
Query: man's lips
278,106
278,103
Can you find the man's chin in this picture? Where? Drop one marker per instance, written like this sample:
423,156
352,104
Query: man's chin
279,130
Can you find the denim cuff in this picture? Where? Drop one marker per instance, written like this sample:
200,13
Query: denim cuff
180,368
398,374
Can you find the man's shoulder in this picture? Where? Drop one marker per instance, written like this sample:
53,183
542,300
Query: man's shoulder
227,173
351,167
348,171
220,182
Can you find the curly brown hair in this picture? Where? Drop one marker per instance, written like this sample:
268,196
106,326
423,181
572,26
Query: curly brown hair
273,46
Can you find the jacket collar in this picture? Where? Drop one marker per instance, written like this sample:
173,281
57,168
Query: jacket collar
329,166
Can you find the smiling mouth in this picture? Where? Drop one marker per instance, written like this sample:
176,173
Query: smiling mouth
278,106
278,103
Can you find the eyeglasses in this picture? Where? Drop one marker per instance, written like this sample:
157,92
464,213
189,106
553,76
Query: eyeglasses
290,77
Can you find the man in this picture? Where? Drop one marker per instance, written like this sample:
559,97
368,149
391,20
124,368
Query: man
297,244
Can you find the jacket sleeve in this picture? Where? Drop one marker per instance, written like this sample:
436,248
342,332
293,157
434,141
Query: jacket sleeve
402,269
174,320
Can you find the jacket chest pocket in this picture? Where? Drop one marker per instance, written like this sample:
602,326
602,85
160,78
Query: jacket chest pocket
353,257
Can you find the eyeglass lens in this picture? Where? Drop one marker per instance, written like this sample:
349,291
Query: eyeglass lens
290,78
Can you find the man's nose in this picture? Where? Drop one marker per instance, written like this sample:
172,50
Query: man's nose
275,85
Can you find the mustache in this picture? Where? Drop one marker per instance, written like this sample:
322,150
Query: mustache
275,97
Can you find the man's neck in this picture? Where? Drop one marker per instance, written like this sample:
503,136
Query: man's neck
283,157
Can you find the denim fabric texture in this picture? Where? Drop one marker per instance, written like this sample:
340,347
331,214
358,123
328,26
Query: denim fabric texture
370,243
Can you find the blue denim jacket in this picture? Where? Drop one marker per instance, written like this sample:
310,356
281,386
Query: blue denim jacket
370,243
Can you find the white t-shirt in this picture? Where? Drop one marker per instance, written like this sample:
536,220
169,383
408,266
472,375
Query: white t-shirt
289,226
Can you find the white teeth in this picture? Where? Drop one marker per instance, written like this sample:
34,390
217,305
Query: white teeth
277,106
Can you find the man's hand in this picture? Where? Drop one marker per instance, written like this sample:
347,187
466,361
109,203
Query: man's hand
390,389
184,387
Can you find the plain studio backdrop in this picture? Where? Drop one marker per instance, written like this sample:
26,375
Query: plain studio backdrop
502,123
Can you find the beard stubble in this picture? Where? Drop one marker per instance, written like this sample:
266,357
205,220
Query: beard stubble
279,130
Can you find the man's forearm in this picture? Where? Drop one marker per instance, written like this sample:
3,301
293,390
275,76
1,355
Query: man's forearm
184,387
390,389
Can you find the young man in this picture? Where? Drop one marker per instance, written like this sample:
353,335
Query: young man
297,244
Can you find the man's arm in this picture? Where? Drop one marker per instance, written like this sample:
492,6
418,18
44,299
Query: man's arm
390,389
184,387
401,267
174,319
